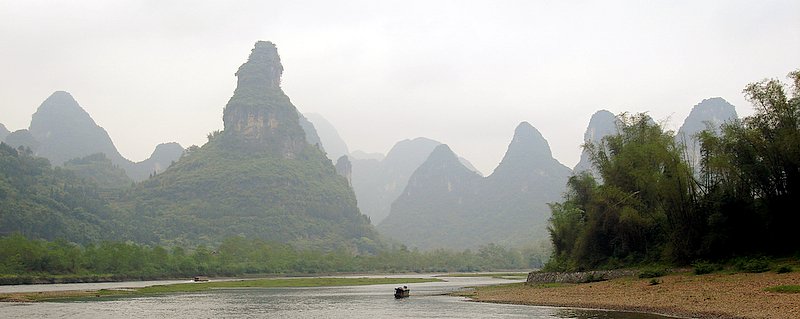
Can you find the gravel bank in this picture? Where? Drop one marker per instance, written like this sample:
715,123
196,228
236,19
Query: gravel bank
683,295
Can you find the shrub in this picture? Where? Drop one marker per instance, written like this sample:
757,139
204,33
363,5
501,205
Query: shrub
788,289
593,278
753,265
652,273
784,269
704,267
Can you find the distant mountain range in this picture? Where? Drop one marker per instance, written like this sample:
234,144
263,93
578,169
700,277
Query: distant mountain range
270,174
61,130
446,205
378,183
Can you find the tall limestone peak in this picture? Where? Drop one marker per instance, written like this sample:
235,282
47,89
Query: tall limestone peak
713,111
263,69
528,149
66,131
258,178
378,183
438,197
709,114
259,113
451,206
442,170
603,123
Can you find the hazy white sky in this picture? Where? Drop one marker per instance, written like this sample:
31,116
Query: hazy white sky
461,72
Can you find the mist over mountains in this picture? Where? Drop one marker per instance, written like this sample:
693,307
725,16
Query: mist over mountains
270,174
61,130
446,205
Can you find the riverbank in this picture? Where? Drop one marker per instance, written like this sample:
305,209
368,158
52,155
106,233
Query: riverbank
740,295
204,286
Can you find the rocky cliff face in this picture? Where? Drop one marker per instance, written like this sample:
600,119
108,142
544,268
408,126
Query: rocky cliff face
446,205
259,114
603,123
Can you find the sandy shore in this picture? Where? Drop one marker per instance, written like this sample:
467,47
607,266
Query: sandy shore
683,295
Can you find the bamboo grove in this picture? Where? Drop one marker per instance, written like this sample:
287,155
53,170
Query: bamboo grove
650,202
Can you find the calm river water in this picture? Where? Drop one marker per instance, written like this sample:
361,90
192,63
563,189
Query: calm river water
374,301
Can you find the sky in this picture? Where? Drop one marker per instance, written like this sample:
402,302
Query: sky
465,73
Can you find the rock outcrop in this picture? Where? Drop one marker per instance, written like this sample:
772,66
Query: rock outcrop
260,115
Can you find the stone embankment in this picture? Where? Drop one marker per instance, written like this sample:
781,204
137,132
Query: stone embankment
578,277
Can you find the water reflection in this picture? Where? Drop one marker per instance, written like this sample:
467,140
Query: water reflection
375,301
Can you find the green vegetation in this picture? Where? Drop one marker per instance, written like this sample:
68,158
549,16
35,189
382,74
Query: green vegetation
27,261
783,269
652,207
98,169
40,201
652,272
787,289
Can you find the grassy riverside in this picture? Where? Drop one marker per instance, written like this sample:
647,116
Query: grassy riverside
718,295
204,286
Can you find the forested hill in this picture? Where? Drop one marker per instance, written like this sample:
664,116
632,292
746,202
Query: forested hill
258,178
39,201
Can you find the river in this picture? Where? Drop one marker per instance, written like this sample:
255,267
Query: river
374,301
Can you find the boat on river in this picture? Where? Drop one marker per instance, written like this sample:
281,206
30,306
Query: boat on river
200,278
401,292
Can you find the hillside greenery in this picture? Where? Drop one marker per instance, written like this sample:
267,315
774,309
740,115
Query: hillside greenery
98,169
41,201
218,191
651,207
24,260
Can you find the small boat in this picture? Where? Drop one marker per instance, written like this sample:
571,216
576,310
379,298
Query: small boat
200,278
401,292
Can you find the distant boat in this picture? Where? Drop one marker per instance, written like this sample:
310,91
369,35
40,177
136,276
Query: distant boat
200,278
401,292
